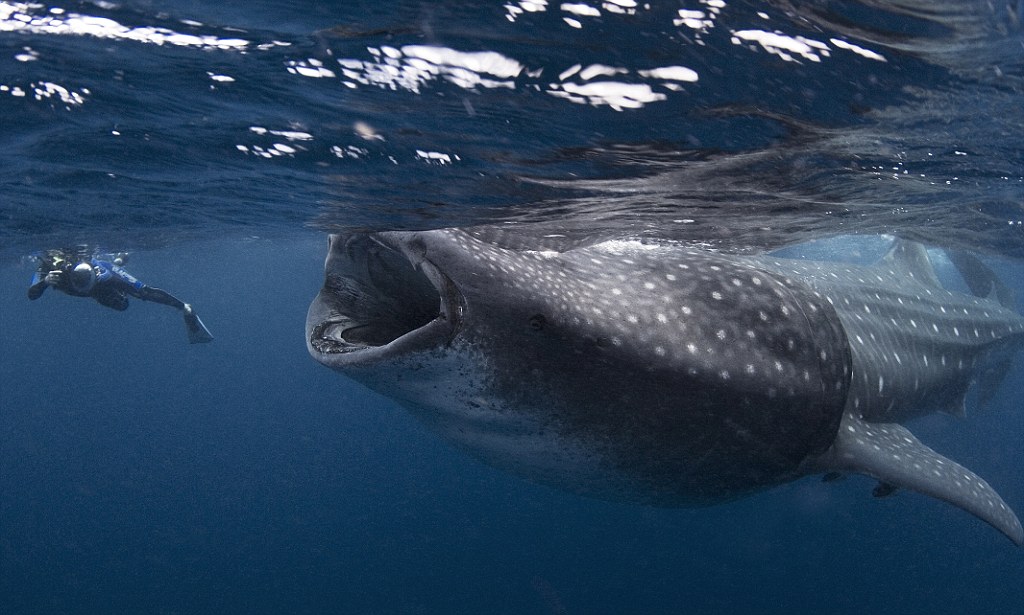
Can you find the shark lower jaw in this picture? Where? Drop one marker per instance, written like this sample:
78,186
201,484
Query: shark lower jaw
383,306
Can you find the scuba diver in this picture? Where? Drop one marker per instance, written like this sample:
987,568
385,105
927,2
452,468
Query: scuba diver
84,275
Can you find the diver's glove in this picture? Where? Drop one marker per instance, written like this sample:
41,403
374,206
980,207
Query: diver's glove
54,277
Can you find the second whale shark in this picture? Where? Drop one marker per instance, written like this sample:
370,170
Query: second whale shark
663,374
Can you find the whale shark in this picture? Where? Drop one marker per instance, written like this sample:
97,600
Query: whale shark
660,373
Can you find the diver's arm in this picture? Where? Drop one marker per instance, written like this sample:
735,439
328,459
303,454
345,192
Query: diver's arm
41,281
35,290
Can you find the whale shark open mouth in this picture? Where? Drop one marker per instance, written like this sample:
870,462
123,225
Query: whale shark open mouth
380,299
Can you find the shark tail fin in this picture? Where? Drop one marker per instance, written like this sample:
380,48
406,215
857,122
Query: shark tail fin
910,258
990,378
197,331
982,281
891,454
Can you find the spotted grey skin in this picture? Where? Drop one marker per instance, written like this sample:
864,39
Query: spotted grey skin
658,373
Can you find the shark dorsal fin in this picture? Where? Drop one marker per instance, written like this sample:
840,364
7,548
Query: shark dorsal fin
891,454
910,259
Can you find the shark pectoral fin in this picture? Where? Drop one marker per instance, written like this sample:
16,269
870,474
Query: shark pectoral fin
883,489
891,454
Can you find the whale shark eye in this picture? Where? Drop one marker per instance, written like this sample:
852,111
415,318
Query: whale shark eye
537,322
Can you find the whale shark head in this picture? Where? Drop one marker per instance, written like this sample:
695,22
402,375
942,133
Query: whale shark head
658,373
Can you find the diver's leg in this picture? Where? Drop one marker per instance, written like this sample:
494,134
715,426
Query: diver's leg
157,295
111,298
197,331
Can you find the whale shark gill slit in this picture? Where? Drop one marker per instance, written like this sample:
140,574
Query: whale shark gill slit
658,373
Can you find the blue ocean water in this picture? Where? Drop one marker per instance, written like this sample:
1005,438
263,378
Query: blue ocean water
219,142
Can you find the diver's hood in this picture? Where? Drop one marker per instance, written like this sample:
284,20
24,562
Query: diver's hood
381,298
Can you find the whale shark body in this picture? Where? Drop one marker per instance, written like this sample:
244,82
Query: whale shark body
663,374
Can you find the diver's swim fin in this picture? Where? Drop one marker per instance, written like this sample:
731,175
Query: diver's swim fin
197,331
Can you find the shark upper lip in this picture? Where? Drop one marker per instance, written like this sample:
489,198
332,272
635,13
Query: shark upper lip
394,302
